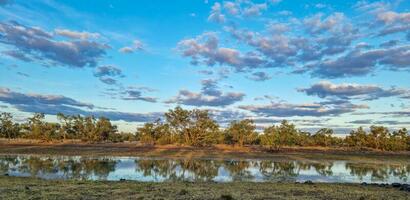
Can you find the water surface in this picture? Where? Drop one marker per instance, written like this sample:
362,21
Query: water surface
158,170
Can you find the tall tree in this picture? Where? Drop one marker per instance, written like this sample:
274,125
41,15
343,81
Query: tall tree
66,122
323,137
202,129
179,120
103,129
8,129
242,132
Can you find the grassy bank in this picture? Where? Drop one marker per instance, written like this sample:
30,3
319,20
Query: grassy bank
173,151
32,188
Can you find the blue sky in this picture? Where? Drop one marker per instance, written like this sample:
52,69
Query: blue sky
338,64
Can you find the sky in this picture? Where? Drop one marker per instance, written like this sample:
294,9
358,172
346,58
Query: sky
333,64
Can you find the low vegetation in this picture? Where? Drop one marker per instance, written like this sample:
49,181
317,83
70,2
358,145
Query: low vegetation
197,128
32,188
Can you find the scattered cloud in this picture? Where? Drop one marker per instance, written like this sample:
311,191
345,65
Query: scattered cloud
259,76
359,62
210,95
206,72
205,49
255,9
379,122
107,70
312,109
36,44
107,73
232,8
334,48
17,55
133,93
17,99
76,34
23,74
108,80
325,89
53,104
136,46
216,14
402,113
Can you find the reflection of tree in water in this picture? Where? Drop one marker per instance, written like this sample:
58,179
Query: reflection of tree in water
378,172
324,169
99,167
278,171
198,170
288,171
36,165
401,171
7,162
156,168
239,169
203,170
70,168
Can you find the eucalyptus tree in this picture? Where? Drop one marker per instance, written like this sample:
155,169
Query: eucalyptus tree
8,129
242,132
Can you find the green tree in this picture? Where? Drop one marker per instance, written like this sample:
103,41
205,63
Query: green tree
202,129
284,134
66,123
179,120
270,137
323,137
399,140
103,129
35,126
242,132
357,138
378,137
8,129
154,133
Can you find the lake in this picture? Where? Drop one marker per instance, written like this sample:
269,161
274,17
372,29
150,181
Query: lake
226,170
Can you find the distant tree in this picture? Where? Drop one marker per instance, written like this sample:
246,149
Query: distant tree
197,128
179,120
270,137
242,132
288,134
378,137
154,133
103,129
86,127
357,138
323,137
66,124
35,126
285,134
8,129
399,140
202,129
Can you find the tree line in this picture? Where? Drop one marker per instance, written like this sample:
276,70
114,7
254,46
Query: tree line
197,128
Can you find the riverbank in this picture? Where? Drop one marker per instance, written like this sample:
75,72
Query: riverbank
174,151
33,188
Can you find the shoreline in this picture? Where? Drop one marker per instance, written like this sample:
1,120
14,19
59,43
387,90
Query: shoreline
175,151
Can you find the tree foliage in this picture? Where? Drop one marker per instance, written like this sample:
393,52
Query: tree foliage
197,128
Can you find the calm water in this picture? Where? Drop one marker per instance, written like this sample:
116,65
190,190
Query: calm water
149,169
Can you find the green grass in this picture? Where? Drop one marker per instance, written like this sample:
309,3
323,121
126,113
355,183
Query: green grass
32,188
